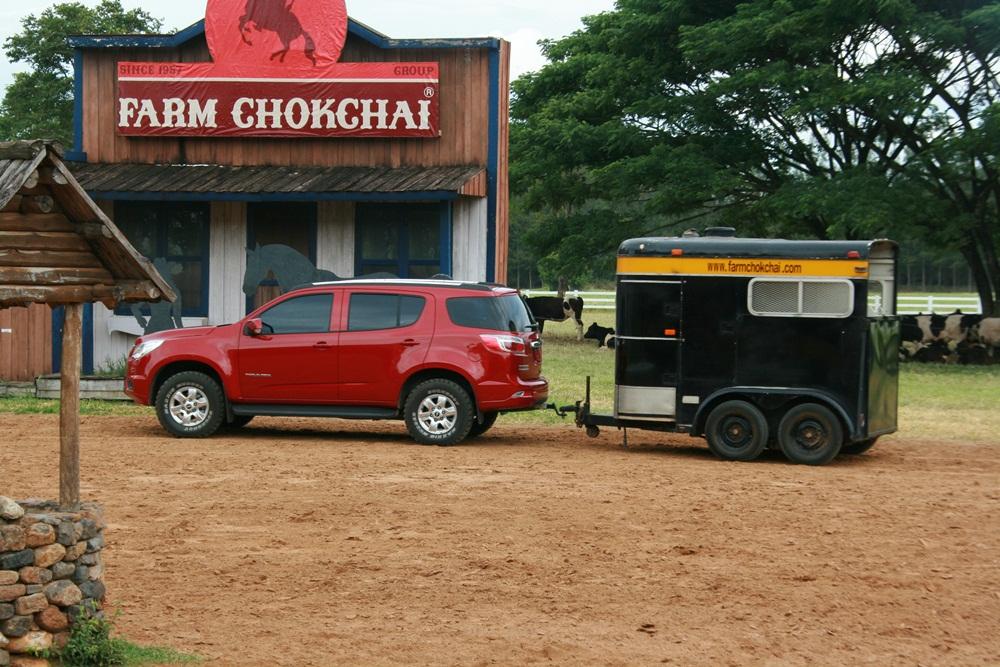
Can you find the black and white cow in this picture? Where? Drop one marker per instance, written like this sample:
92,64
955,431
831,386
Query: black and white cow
605,336
546,308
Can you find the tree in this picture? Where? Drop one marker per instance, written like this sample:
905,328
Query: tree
819,118
39,103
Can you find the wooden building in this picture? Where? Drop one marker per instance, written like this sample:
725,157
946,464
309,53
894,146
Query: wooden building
208,209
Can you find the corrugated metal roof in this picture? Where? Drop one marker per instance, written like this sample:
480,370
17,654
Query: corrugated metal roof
204,179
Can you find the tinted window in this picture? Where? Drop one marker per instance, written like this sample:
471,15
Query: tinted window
505,313
303,314
383,311
648,308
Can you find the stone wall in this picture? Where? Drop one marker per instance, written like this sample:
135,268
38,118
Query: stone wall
50,574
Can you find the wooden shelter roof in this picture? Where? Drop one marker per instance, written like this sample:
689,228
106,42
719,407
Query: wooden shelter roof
311,181
56,245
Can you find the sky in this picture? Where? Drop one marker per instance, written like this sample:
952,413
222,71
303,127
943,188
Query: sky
521,22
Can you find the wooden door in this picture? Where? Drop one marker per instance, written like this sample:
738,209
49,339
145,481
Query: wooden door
25,343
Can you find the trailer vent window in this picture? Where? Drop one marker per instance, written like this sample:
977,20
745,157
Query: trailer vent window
801,298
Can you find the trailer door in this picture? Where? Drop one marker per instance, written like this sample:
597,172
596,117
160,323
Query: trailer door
648,354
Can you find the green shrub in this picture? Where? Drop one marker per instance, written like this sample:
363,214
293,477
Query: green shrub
91,644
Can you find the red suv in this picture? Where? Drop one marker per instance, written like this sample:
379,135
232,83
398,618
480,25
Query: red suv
446,357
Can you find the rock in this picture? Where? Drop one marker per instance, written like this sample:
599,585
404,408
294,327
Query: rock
35,575
51,619
40,535
79,575
66,534
50,555
89,609
28,661
96,572
63,570
3,641
31,604
63,593
94,590
6,610
11,538
90,559
11,593
10,510
17,560
17,626
4,658
8,577
33,642
59,640
88,529
32,589
95,544
75,551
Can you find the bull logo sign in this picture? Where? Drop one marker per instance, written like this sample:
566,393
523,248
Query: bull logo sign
276,72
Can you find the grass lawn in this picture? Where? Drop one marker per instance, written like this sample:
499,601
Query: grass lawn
936,401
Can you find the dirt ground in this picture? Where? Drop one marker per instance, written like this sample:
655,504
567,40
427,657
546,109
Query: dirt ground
306,542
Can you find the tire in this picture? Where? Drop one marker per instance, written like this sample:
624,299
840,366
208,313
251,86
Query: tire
736,431
480,427
856,448
191,405
810,434
239,421
451,425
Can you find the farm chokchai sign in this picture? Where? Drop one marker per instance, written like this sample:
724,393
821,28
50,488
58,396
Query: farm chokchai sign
276,73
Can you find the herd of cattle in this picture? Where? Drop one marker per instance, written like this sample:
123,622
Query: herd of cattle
955,338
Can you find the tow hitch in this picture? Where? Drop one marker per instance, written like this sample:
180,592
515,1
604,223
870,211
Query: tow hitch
582,411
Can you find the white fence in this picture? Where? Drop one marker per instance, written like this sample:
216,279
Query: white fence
908,304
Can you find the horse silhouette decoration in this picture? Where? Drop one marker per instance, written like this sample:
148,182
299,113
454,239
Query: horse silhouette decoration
276,16
291,269
163,315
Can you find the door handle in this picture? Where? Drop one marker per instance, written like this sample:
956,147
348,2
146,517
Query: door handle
409,342
323,345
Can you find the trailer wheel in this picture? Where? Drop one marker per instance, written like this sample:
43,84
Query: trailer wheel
736,431
855,448
810,434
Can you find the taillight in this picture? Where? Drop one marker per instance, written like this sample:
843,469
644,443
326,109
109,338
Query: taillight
507,344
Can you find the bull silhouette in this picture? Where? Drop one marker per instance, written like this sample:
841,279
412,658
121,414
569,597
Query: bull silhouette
276,16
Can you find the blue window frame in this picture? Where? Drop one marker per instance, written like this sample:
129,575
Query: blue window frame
407,240
177,232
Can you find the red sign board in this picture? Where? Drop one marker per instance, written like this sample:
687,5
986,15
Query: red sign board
275,74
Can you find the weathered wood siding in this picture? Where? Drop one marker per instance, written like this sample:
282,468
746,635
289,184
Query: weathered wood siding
25,342
227,262
335,238
464,117
468,251
503,173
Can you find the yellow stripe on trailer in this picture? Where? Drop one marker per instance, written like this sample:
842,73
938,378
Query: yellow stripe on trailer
743,267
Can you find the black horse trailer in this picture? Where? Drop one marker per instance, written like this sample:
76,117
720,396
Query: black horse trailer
755,342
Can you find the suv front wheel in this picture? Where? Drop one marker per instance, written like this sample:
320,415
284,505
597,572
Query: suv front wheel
438,412
191,405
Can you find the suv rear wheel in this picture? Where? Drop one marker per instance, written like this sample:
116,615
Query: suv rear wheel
480,427
191,405
438,412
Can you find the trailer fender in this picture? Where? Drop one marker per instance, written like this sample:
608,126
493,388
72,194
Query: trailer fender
758,393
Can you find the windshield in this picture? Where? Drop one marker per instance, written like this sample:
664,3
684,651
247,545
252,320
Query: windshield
505,313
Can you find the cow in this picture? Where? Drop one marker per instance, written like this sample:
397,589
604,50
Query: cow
604,336
959,328
989,332
278,17
972,354
932,326
553,308
932,353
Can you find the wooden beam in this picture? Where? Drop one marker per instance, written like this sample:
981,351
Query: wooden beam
53,275
37,204
43,241
49,258
109,295
95,230
51,176
69,407
41,222
32,180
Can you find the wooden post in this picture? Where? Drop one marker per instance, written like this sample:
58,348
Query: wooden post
69,407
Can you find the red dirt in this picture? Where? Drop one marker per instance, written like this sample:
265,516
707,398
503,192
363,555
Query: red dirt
305,542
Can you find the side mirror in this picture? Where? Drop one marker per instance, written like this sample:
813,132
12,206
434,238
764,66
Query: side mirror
254,327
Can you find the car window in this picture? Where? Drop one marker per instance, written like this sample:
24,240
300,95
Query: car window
301,314
505,313
370,312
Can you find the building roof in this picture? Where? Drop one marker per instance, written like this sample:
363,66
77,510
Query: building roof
56,245
263,183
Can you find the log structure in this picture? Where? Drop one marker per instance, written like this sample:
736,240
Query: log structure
58,248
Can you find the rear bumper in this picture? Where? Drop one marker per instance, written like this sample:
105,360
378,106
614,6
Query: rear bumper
511,397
